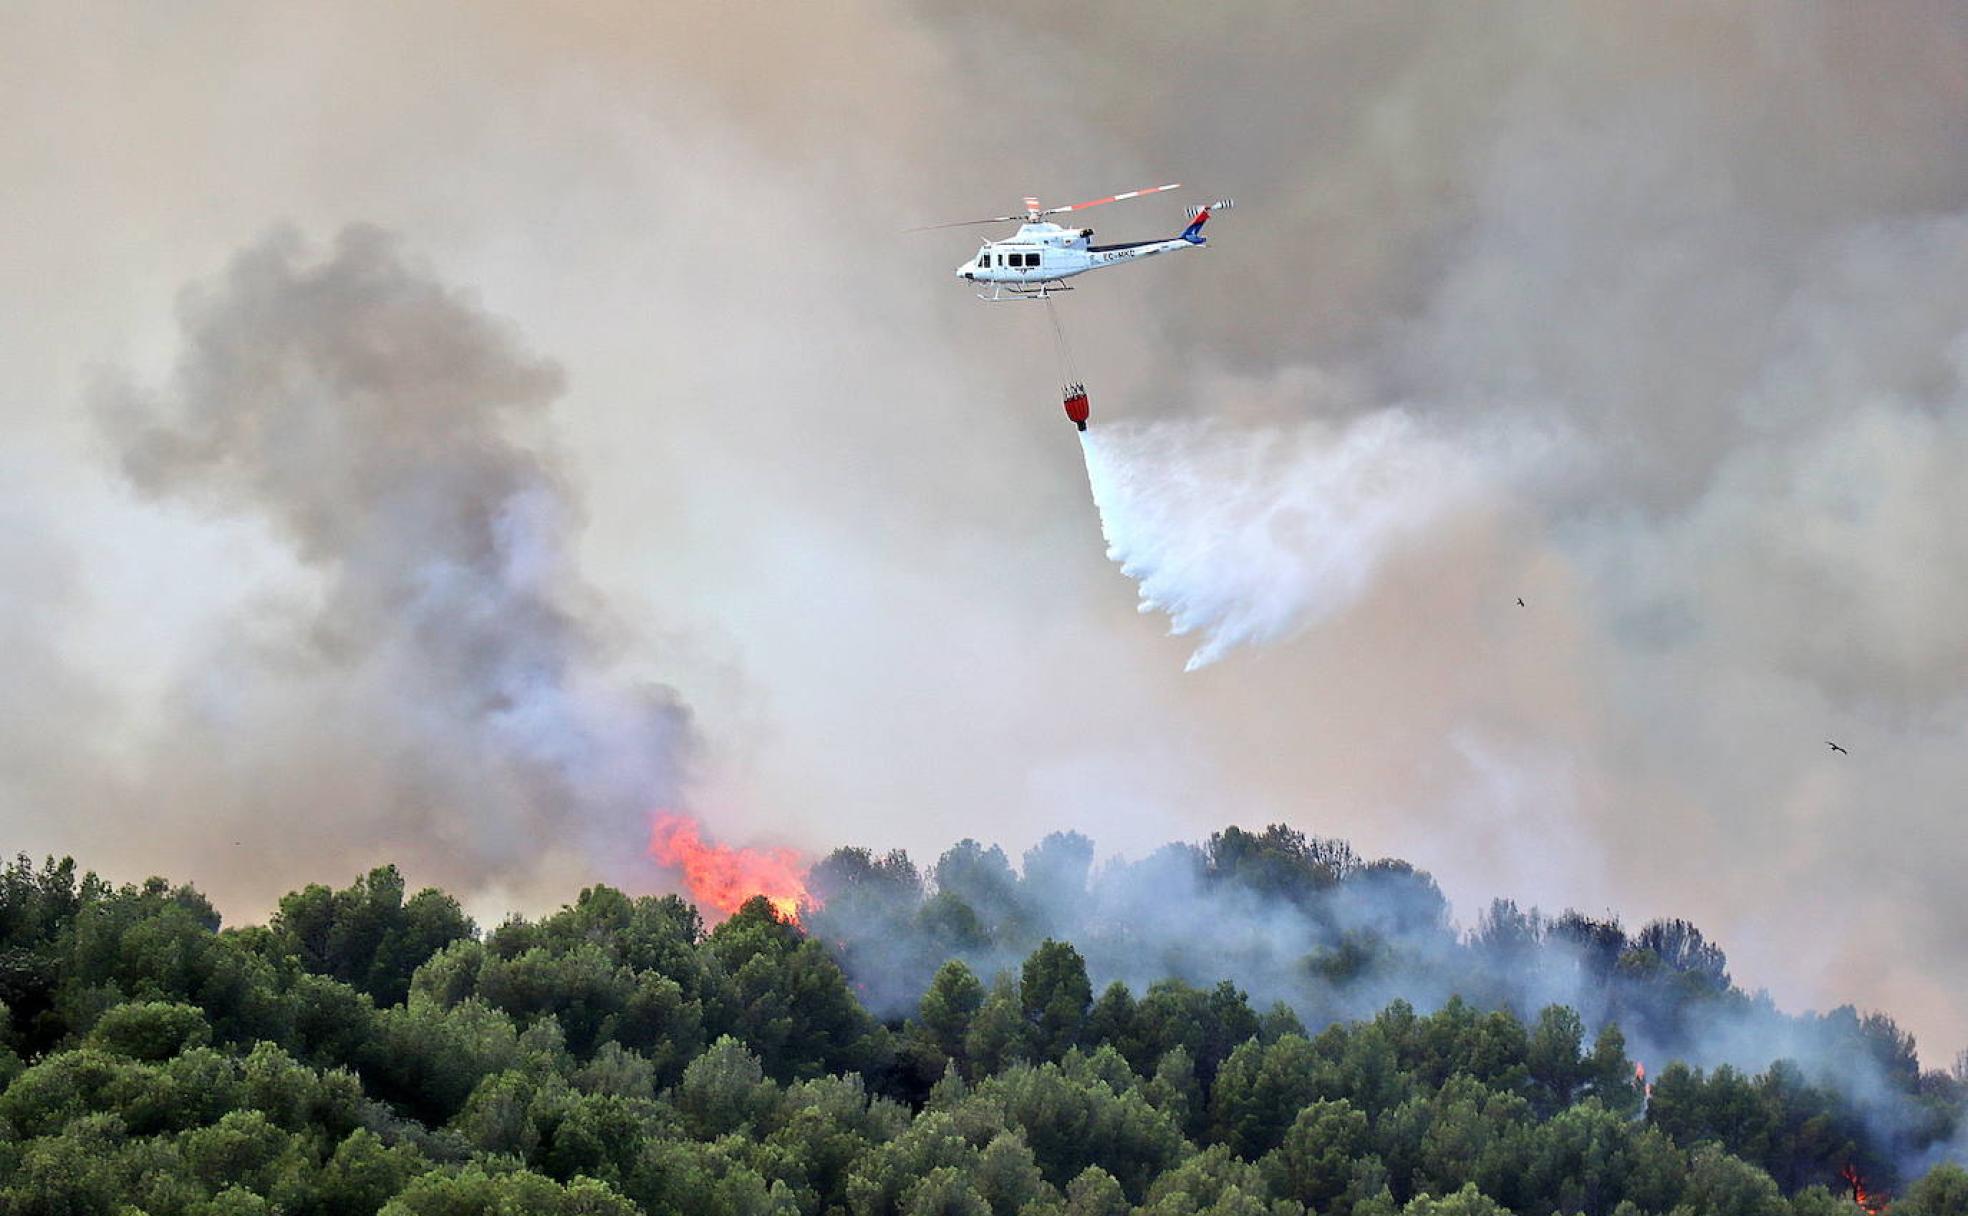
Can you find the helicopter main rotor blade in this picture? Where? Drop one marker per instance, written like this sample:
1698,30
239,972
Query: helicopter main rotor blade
1032,209
996,219
1112,198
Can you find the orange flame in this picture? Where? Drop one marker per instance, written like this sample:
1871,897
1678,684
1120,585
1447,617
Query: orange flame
1866,1200
723,877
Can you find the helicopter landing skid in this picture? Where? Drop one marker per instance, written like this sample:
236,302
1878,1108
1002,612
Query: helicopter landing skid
1031,295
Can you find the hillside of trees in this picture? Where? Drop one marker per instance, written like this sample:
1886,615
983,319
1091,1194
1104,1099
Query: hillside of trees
370,1049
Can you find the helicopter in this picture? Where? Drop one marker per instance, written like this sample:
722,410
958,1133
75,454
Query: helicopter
1033,263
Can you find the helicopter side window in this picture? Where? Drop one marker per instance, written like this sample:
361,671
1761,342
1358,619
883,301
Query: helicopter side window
983,261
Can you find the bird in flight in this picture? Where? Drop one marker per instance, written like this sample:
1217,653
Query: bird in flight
1520,601
1834,747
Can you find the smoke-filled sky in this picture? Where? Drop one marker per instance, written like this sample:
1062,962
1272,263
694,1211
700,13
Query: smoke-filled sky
429,426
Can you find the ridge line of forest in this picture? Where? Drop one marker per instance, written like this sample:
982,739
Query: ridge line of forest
369,1049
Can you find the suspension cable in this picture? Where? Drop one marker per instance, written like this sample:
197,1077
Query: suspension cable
1069,369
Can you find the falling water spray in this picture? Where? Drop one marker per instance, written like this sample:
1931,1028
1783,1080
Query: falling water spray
1247,536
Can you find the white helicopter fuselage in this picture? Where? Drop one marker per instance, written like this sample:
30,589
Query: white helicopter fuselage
1041,253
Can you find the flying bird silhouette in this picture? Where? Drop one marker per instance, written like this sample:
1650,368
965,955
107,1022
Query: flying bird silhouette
1520,601
1834,747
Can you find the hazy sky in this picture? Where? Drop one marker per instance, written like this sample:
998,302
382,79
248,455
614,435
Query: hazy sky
761,508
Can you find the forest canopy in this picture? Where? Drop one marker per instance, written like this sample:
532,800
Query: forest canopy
975,1039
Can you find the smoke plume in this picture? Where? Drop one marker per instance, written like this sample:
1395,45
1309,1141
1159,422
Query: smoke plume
1309,924
434,685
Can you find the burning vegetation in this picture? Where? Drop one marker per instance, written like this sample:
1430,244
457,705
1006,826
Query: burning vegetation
721,877
1867,1200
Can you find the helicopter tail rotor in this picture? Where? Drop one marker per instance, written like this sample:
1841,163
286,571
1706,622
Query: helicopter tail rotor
1198,216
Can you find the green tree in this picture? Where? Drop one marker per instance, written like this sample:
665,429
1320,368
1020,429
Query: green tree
1207,1023
1055,996
791,1003
1095,1193
1112,1022
1581,1160
1007,1176
881,1177
1552,1057
949,1005
363,1173
1819,1201
944,1191
1315,1162
241,1149
1610,1075
1071,1124
428,1059
1941,1191
999,1033
1175,1092
1683,949
1468,1201
594,1136
1722,1185
474,1192
1214,1181
1281,862
367,935
1258,1092
981,880
724,1091
150,1030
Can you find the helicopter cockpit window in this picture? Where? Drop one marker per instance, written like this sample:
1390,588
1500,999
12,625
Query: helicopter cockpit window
983,261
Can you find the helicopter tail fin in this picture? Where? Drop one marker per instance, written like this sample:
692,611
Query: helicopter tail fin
1198,216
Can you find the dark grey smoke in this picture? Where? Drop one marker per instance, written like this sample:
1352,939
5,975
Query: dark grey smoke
434,686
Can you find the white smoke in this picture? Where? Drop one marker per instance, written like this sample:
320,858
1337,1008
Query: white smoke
1249,535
